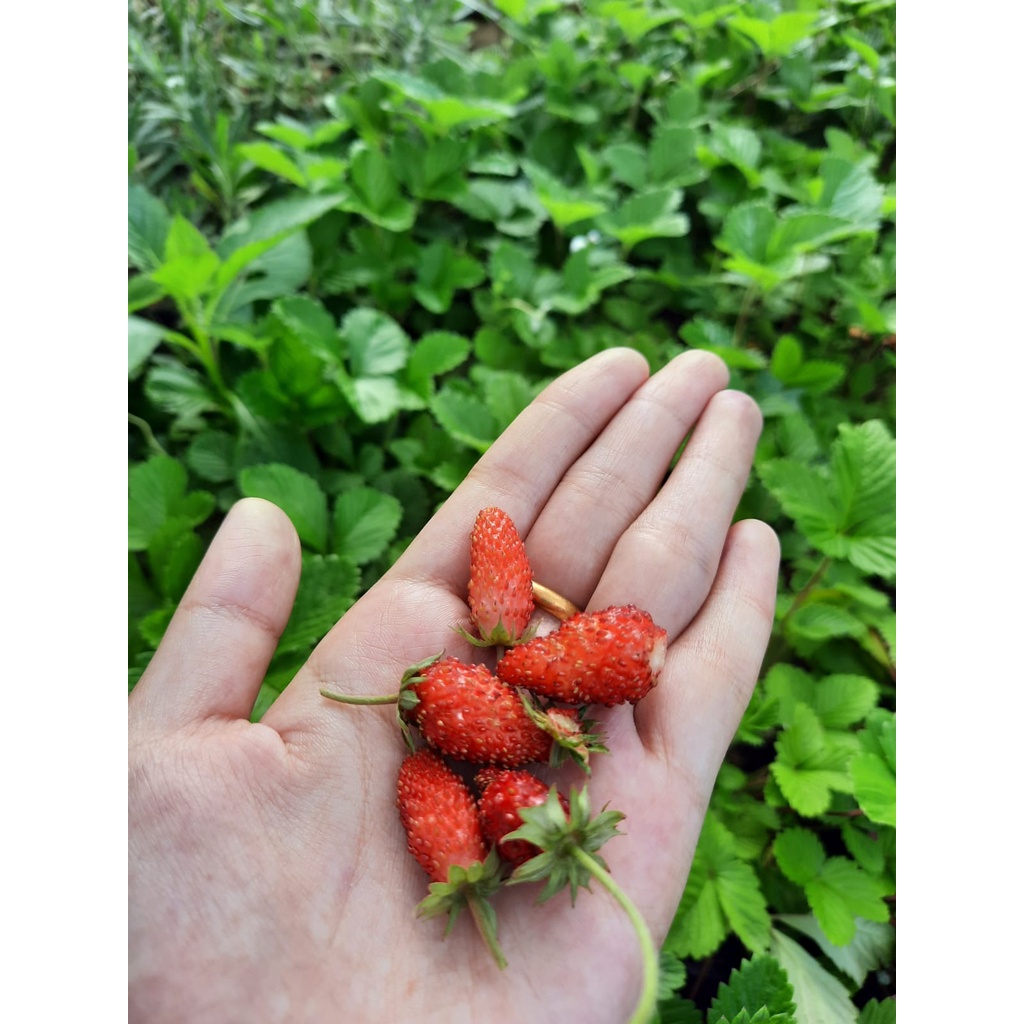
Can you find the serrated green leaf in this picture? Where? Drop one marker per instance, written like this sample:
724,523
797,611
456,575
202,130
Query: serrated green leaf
678,1011
435,353
634,20
377,399
441,271
864,468
799,854
874,786
255,235
328,587
143,338
820,621
818,995
565,205
375,343
672,158
747,231
365,523
842,892
743,903
506,393
671,975
179,390
872,946
628,162
189,263
739,146
157,494
446,109
807,768
154,625
375,192
759,982
876,1012
850,193
270,158
211,456
174,555
464,417
779,36
844,699
701,930
651,214
148,224
800,231
311,324
296,493
848,510
143,291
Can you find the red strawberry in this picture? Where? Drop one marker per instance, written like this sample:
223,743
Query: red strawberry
468,713
439,815
500,579
608,657
443,830
503,794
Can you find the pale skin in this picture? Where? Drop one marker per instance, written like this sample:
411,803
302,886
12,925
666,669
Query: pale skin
268,873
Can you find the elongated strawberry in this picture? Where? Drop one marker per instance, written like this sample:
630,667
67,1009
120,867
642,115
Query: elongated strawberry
443,830
608,657
468,713
504,792
500,579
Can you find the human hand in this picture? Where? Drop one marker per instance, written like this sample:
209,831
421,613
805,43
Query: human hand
268,874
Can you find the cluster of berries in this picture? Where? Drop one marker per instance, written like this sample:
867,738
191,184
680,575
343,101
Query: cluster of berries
529,709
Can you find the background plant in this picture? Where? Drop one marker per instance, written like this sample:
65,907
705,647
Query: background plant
362,237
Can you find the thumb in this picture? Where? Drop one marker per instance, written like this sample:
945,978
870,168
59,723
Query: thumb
219,643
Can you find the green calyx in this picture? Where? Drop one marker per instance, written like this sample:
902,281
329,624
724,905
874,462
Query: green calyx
497,637
569,845
575,738
560,839
469,887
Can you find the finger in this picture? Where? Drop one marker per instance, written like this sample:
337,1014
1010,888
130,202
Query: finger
217,647
409,614
666,560
691,716
615,479
523,467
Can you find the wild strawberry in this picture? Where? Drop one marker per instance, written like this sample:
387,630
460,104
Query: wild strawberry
500,580
439,815
468,713
608,657
443,830
503,793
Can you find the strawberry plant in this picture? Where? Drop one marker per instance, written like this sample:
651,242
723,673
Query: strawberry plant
360,245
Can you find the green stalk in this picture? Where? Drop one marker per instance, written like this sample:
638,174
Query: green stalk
646,1005
345,698
485,925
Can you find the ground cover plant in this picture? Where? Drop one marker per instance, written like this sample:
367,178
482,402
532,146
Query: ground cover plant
362,237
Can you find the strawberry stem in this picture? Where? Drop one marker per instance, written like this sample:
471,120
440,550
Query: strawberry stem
486,924
347,698
644,1010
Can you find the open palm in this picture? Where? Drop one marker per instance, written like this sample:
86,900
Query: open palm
268,875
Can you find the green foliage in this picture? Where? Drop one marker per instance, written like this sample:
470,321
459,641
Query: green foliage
360,241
